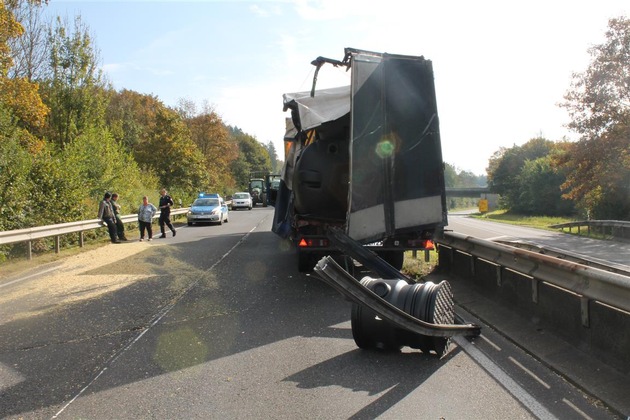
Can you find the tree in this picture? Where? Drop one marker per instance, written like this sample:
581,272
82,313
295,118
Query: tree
76,94
273,156
212,138
540,192
505,166
130,116
527,179
253,157
18,95
168,151
598,101
15,166
30,52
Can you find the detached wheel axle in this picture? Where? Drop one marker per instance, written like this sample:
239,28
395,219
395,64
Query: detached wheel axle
429,302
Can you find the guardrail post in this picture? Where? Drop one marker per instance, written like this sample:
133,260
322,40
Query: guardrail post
29,250
427,255
535,283
57,244
584,310
414,254
81,238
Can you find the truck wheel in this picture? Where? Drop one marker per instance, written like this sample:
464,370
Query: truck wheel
393,258
305,262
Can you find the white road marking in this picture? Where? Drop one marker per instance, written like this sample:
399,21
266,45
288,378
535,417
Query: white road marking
529,372
508,383
156,319
28,277
490,342
577,410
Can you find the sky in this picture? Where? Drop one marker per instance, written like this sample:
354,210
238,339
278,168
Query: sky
501,68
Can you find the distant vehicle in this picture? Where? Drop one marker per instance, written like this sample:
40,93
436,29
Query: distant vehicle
242,200
258,189
208,208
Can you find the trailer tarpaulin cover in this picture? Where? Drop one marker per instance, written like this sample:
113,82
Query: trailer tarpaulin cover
396,180
327,105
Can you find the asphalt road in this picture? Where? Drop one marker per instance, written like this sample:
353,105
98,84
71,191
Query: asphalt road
218,323
615,252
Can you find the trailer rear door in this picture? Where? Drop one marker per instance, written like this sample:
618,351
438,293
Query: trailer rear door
396,168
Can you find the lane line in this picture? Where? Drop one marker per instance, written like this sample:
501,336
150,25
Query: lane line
529,372
490,342
152,323
28,277
508,383
577,410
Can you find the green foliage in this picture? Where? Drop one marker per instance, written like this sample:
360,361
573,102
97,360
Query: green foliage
527,180
15,166
169,152
539,189
253,157
76,94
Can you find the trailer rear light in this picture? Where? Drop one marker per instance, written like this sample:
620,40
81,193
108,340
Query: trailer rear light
421,243
313,243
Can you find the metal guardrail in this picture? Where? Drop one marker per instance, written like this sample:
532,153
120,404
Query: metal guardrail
616,228
40,232
592,283
588,307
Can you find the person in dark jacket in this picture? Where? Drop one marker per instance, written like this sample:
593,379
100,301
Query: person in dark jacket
165,213
106,215
120,226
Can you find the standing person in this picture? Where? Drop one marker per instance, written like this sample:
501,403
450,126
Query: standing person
120,226
106,214
146,211
165,213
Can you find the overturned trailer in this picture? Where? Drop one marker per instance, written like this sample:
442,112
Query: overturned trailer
364,178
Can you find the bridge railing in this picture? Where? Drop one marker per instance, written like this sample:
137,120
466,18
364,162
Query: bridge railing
618,229
589,307
57,231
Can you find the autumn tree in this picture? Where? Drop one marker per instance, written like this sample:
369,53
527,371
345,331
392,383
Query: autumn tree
598,101
30,52
18,95
168,151
130,116
212,138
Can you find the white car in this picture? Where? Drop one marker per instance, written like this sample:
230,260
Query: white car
242,200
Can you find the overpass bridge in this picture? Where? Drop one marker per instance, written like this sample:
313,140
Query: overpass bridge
474,192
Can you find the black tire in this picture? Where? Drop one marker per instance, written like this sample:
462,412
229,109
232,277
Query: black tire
361,338
190,223
264,200
305,262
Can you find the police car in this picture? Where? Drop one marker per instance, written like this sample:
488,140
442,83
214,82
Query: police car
208,208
